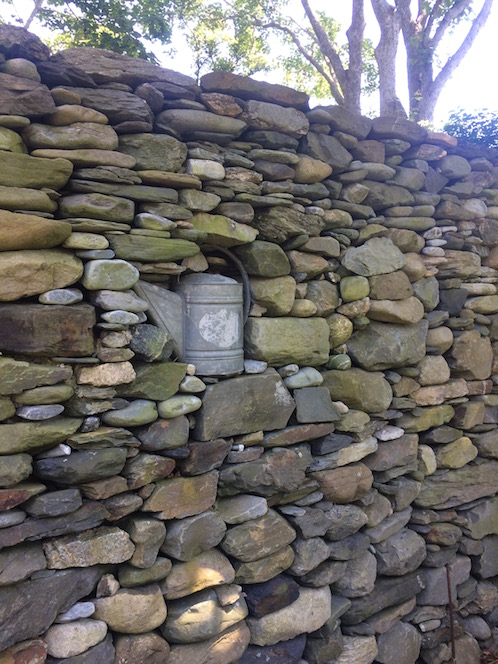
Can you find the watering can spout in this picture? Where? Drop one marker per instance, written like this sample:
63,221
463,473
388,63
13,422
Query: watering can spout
165,310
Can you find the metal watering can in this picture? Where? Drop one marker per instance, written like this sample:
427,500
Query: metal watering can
205,315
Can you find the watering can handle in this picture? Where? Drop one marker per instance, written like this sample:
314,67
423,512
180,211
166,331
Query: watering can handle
243,274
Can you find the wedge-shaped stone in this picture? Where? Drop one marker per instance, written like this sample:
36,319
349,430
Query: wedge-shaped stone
410,310
200,617
151,249
359,389
97,206
94,547
327,149
17,376
33,437
376,256
248,88
188,122
258,538
108,67
88,157
157,382
26,231
53,330
86,135
22,170
387,592
277,471
224,648
455,487
206,570
179,497
223,231
244,405
308,613
281,341
27,609
81,466
22,198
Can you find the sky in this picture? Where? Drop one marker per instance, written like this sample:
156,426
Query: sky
473,86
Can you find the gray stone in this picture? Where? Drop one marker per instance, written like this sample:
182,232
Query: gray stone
28,608
14,469
399,645
19,562
283,470
117,275
383,346
84,466
189,537
200,617
188,123
308,613
54,503
327,149
376,256
148,648
400,554
258,538
255,409
153,151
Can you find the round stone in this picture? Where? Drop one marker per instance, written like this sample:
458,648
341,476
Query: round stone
120,317
192,385
354,288
341,328
255,366
61,296
305,377
139,412
71,639
85,241
341,362
178,405
115,275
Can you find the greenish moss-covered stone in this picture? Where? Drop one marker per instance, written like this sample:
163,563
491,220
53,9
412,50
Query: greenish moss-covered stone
22,170
154,151
426,418
223,231
383,346
157,382
276,295
354,288
281,341
152,249
97,206
26,231
363,390
16,375
34,437
377,256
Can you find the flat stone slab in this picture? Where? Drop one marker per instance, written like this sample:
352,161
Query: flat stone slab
244,405
281,341
49,330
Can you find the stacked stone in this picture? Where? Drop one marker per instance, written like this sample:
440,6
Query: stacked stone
307,511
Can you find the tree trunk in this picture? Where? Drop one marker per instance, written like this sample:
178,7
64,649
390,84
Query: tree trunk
385,54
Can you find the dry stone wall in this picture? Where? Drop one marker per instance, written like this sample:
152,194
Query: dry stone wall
309,509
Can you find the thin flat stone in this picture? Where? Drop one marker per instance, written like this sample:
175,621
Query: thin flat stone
38,413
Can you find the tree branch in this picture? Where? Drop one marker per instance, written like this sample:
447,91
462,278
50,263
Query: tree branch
454,61
32,16
328,75
450,16
325,46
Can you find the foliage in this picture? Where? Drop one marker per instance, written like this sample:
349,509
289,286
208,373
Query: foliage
118,25
480,127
